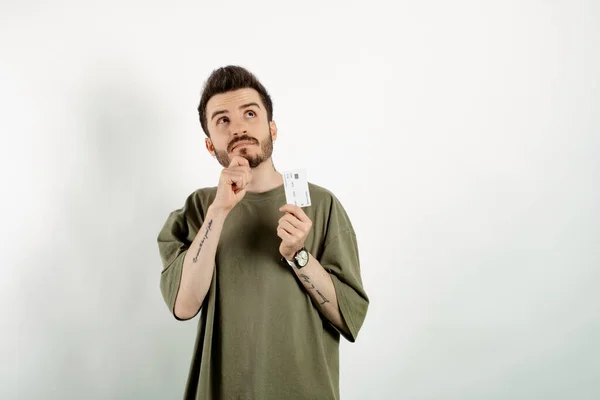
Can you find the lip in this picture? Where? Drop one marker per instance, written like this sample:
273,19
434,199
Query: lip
243,143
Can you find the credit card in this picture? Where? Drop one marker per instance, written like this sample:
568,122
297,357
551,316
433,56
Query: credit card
296,187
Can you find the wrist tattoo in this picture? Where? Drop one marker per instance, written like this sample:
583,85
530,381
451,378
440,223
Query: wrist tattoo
195,259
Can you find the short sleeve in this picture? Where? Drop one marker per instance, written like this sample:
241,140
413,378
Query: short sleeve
174,239
340,258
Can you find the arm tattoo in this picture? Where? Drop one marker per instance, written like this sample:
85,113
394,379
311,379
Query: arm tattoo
307,280
322,297
195,259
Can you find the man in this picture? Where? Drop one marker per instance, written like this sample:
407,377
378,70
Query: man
276,284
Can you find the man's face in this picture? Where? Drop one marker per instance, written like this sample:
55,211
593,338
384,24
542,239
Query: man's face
238,126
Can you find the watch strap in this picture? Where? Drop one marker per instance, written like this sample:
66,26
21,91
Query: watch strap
290,263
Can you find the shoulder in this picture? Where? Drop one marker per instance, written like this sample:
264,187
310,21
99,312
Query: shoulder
321,196
197,202
187,218
203,195
327,205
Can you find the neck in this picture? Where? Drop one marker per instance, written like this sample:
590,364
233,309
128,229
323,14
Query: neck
265,177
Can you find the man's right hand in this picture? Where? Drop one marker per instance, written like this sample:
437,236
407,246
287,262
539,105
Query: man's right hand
232,185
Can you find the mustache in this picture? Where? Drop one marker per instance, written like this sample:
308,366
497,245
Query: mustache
244,138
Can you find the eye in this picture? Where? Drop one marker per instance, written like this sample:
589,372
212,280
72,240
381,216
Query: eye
222,120
250,114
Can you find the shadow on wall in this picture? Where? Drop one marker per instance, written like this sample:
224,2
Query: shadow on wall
105,331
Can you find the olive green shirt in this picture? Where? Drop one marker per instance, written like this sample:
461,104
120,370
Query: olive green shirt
259,335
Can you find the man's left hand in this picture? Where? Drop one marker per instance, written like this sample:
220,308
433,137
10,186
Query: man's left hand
293,230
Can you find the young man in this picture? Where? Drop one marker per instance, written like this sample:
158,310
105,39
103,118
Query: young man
276,284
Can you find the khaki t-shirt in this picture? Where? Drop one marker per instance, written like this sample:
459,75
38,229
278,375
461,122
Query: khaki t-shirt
259,334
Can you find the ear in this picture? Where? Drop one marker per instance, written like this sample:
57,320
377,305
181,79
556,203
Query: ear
209,146
273,129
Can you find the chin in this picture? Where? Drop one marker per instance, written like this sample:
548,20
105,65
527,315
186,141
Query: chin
244,148
242,151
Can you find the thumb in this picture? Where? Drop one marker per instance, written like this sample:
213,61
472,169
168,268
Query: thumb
239,161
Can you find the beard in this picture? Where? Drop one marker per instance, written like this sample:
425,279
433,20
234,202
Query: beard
266,147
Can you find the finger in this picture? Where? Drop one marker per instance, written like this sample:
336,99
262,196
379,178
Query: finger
243,182
296,223
248,173
237,178
285,236
238,168
239,175
240,193
237,160
289,228
296,210
242,170
237,186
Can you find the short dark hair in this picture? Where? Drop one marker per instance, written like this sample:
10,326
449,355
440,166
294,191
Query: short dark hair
227,79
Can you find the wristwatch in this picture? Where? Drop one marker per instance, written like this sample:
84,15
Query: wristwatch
300,259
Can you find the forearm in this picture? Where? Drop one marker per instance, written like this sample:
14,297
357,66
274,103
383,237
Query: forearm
319,285
199,265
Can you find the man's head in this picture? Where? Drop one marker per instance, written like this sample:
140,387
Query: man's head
236,114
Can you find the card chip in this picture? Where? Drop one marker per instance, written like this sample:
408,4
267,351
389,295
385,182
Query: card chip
296,176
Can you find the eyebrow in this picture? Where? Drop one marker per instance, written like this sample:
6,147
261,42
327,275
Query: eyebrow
240,107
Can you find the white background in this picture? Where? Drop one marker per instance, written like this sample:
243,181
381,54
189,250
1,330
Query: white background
462,137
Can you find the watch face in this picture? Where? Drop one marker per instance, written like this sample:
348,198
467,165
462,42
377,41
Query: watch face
302,257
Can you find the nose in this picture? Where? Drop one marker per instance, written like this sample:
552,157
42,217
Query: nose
238,128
